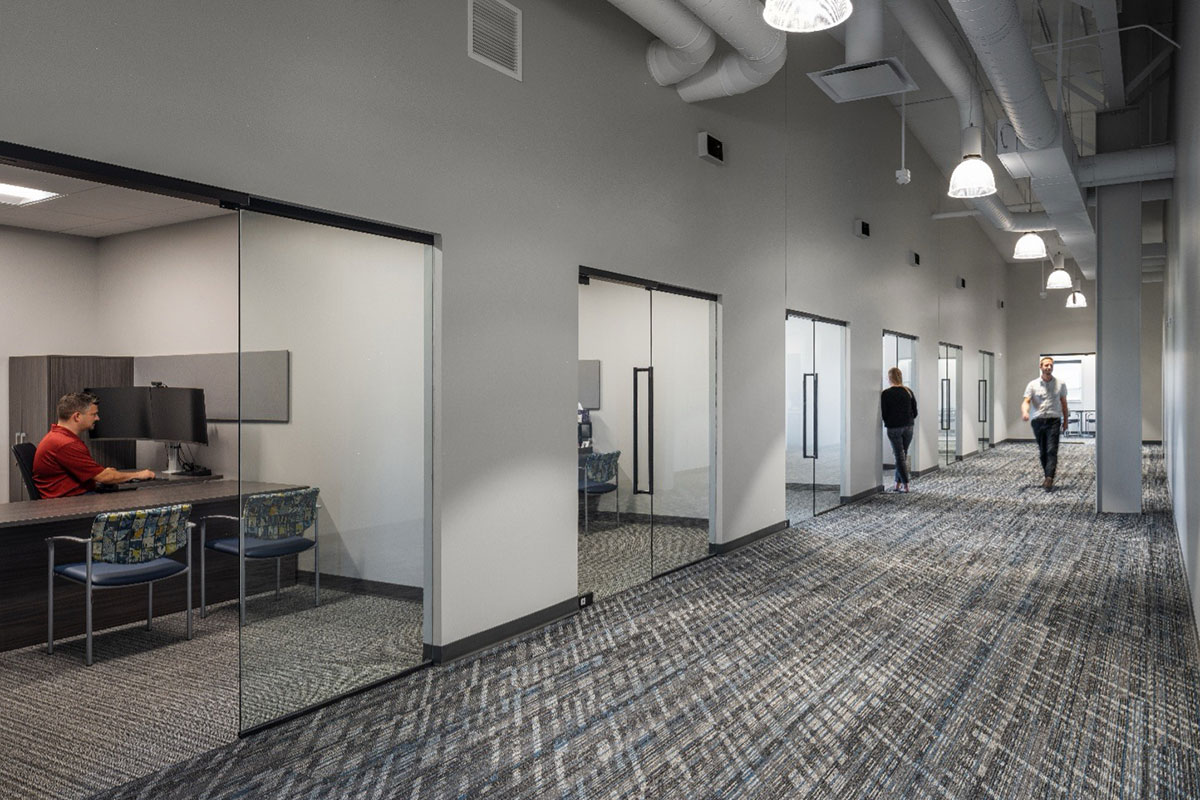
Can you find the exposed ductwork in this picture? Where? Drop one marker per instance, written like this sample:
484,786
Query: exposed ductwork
1044,152
684,43
1126,166
761,50
866,72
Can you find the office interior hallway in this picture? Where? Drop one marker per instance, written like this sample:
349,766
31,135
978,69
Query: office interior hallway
977,638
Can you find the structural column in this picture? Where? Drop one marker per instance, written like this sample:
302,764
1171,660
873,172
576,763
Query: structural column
1118,348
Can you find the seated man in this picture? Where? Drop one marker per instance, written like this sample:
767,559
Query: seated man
62,466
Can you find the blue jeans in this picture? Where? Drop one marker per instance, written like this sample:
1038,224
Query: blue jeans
901,438
1046,430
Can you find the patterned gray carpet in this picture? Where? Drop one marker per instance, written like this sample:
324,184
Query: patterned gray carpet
613,558
978,639
154,698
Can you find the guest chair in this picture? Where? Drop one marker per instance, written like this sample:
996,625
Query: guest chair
24,452
273,524
600,476
126,548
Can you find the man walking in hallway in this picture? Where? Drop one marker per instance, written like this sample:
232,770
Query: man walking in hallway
1046,396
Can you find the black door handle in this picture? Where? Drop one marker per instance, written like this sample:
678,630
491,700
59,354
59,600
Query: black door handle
637,485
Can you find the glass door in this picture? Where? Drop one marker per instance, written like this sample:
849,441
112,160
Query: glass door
814,377
900,351
949,423
646,437
985,398
329,542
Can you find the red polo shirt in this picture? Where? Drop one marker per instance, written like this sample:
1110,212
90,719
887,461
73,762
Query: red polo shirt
62,466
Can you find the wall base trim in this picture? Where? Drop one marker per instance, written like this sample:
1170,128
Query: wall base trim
396,591
863,495
440,654
720,548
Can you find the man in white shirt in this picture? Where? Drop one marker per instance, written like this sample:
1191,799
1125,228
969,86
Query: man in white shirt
1047,396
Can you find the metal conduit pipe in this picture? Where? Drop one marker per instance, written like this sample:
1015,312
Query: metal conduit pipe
994,30
684,43
761,50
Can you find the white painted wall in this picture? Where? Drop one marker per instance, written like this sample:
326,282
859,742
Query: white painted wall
374,110
47,306
1181,332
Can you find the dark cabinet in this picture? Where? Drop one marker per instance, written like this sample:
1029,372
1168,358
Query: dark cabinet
34,385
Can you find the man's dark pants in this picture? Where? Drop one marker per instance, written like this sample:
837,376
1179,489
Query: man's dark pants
1046,431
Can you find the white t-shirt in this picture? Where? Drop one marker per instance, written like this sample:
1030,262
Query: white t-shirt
1044,397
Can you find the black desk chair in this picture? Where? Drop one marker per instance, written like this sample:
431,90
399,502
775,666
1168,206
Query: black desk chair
24,453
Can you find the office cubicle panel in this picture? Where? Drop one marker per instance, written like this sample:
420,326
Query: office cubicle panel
351,308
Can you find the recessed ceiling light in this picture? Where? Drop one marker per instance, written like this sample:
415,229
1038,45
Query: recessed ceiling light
12,195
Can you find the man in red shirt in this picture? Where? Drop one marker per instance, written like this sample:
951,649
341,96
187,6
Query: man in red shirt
62,466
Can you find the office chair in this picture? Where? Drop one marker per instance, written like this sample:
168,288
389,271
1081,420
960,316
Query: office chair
126,548
600,476
24,452
274,524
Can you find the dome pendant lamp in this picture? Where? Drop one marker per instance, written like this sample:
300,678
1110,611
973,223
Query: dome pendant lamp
1058,278
972,177
1076,300
1029,247
806,16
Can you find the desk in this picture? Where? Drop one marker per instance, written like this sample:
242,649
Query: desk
25,526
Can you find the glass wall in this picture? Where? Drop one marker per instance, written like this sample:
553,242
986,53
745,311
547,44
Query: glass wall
646,433
949,389
815,376
985,397
333,441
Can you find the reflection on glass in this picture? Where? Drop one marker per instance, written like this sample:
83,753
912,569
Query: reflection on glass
985,398
350,310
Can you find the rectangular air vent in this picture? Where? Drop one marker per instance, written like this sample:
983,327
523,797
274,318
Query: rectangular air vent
866,79
494,35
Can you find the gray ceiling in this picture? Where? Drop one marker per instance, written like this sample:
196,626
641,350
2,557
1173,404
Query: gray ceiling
94,209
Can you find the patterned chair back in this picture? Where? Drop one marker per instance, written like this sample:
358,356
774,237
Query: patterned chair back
280,515
601,467
131,537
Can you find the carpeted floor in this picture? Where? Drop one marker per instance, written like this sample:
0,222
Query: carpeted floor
154,698
980,638
613,558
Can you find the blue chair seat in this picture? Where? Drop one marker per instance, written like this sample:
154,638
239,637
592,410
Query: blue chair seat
121,574
592,487
261,548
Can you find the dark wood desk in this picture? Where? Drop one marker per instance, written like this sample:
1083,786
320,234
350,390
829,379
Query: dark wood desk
25,526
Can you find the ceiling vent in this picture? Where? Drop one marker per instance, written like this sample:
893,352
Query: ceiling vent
494,35
864,79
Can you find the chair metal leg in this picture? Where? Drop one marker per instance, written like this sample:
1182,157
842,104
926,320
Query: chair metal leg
316,562
278,572
149,604
50,603
87,656
203,598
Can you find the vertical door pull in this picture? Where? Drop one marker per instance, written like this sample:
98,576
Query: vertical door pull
945,404
637,483
804,427
983,403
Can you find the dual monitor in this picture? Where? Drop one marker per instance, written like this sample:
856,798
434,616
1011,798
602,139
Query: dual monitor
153,413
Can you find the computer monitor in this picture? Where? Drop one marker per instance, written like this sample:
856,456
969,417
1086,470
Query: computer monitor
151,413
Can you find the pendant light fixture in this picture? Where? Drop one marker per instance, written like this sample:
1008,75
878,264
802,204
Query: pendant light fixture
972,177
1076,299
1029,247
1059,278
806,16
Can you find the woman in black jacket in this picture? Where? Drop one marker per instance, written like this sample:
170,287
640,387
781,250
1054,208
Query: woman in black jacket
899,407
